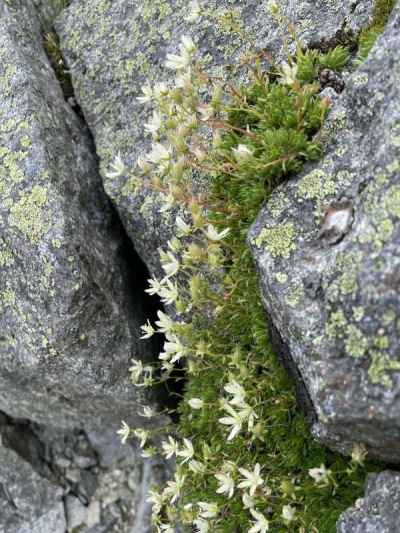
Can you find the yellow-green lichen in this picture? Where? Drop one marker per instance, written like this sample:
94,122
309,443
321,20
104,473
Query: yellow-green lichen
356,344
29,214
295,296
279,240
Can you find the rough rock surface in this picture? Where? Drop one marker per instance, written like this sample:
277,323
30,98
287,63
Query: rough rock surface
114,46
28,503
326,247
378,511
69,310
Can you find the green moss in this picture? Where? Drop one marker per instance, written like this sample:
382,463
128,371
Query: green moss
369,35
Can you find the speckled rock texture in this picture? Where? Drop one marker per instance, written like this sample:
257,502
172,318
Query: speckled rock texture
48,10
69,309
379,510
28,503
326,247
113,47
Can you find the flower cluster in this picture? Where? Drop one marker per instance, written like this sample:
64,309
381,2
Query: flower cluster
238,417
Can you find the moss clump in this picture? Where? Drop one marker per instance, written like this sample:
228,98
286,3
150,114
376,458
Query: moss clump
53,51
369,35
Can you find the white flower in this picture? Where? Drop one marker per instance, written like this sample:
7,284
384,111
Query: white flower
148,330
169,293
164,323
288,513
136,370
187,452
147,95
155,287
174,350
226,484
261,525
208,510
148,412
156,500
160,89
213,234
273,7
196,466
202,525
248,413
142,435
237,391
241,153
235,420
194,11
159,153
143,164
124,432
320,475
170,264
154,124
252,479
187,45
117,168
176,62
170,448
184,229
248,501
165,528
174,488
288,73
196,403
358,454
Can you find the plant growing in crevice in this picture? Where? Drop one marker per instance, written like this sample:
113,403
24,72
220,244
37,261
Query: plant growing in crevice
245,458
52,48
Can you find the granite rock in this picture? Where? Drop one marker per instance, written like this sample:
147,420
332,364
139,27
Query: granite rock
113,47
326,248
379,510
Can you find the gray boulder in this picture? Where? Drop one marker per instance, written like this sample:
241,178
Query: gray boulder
70,297
113,47
28,503
326,248
378,511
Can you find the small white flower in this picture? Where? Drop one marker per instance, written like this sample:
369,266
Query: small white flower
169,293
202,525
142,435
194,11
288,73
165,528
176,62
160,89
174,350
252,479
320,475
196,403
235,421
154,125
147,95
197,467
148,412
136,370
159,153
237,391
208,510
187,452
226,484
248,413
156,500
273,7
170,264
124,432
359,454
187,45
170,448
248,501
184,229
288,513
213,234
261,525
174,487
148,330
164,322
117,168
143,164
241,153
155,287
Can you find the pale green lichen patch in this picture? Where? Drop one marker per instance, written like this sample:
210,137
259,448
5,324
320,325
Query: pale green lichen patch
279,240
28,214
356,343
295,296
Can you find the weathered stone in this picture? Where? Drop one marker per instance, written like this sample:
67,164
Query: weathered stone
326,247
48,10
378,511
70,306
28,503
113,47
